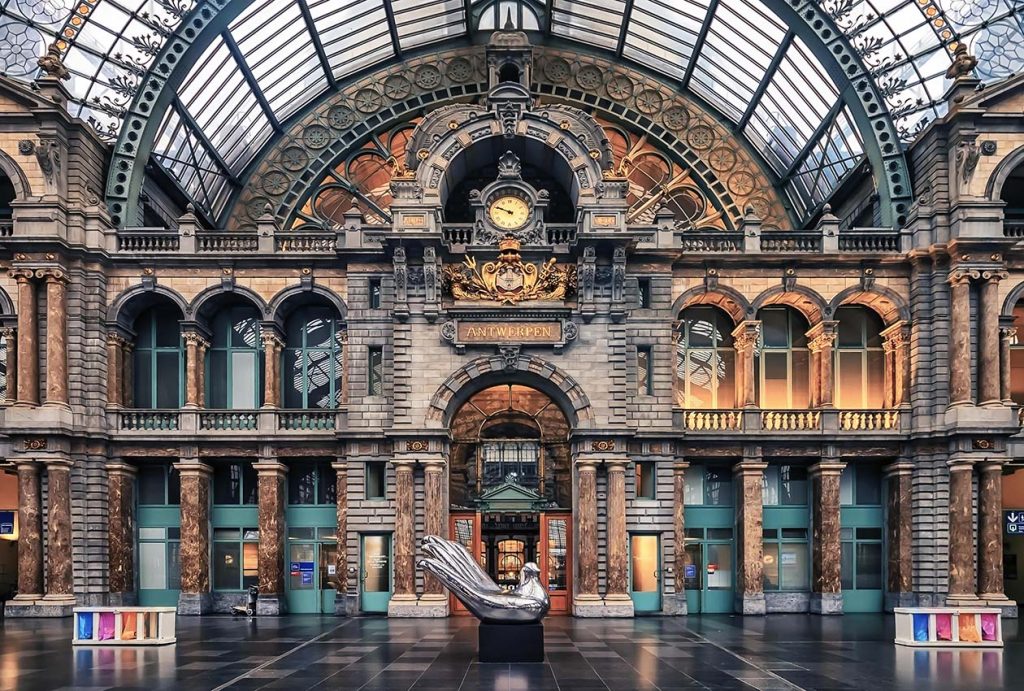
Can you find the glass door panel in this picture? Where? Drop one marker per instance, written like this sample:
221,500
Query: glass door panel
375,564
693,577
555,561
465,529
645,572
301,582
328,575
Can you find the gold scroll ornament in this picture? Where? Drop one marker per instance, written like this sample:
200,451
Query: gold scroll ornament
509,280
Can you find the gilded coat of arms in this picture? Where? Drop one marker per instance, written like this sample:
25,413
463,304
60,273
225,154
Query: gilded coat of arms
509,280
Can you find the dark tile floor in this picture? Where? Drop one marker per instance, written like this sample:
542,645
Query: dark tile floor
309,652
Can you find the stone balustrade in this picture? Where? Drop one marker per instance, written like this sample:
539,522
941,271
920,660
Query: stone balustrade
713,420
825,421
139,422
790,420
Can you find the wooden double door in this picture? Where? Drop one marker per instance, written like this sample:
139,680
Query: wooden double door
504,555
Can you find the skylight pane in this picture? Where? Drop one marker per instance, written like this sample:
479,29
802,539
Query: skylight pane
663,35
419,22
597,22
354,34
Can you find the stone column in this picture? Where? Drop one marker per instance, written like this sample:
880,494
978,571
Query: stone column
617,547
899,530
826,582
341,554
56,336
60,585
961,533
960,339
676,604
435,523
195,362
405,535
271,489
586,533
128,374
988,339
28,336
30,536
748,477
821,339
10,336
121,532
895,340
115,369
745,338
1007,338
195,595
272,347
990,533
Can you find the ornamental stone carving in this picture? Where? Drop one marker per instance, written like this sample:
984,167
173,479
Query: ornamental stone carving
509,280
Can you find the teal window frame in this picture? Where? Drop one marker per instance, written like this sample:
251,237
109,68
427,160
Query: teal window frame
780,538
310,359
646,485
146,327
774,482
382,468
241,472
797,357
716,360
704,486
163,515
243,536
222,342
324,483
870,354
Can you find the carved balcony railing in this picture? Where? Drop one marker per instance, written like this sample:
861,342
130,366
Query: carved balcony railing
149,420
1013,228
307,419
306,242
6,228
869,420
465,234
790,420
786,241
146,240
226,242
711,241
229,420
712,420
869,240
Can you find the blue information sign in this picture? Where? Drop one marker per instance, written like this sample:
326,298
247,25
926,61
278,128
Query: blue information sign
6,523
302,566
690,571
307,577
1014,522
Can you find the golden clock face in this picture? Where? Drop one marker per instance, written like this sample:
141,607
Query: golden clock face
509,212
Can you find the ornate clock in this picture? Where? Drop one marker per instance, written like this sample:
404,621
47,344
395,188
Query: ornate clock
509,211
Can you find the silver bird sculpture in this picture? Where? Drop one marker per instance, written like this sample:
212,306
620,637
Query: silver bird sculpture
455,567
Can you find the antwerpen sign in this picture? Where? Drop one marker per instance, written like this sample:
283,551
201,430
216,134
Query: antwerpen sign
472,332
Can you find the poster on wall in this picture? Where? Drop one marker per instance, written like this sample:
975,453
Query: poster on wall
6,523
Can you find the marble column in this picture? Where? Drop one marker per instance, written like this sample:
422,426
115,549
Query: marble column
28,337
128,375
748,478
405,534
960,380
961,533
271,496
988,339
56,336
195,363
30,534
745,337
675,602
115,369
821,339
586,533
435,522
195,595
990,532
1007,338
121,532
10,336
826,581
899,532
617,548
341,554
60,585
272,347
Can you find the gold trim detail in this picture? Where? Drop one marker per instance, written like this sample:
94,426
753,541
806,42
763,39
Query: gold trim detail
509,280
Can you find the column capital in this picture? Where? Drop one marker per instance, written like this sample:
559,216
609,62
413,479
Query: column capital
962,276
585,463
115,337
193,467
898,468
271,339
895,334
52,275
955,464
270,467
991,464
116,468
680,467
59,462
994,275
434,465
830,467
194,338
749,468
403,463
746,334
340,465
8,332
27,465
616,465
22,274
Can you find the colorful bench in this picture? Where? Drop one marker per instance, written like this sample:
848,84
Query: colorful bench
949,627
124,626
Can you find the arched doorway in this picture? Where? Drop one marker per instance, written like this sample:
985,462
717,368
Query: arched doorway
510,487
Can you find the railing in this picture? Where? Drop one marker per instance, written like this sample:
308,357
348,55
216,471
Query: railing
790,420
228,419
711,241
883,240
458,234
148,240
6,228
315,243
464,234
869,420
785,241
226,242
306,420
156,420
712,420
1013,228
561,234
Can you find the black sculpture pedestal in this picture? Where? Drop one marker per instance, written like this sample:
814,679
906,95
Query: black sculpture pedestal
511,642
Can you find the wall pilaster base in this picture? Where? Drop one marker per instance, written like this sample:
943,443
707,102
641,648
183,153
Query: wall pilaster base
750,604
195,604
963,601
128,599
1008,606
894,600
271,604
411,607
611,607
675,605
25,608
826,603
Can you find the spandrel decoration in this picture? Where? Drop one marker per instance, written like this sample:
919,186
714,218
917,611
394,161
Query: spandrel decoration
509,280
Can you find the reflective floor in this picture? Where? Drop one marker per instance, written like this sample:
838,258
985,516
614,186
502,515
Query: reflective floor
303,652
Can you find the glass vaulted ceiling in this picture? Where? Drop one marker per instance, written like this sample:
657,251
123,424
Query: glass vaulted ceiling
276,56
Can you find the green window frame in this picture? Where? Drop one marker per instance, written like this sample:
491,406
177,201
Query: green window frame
787,564
235,483
783,360
707,486
159,545
313,361
158,360
860,484
862,558
235,562
785,484
859,359
231,384
158,484
312,483
705,360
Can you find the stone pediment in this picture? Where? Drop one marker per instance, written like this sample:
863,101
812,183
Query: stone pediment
509,496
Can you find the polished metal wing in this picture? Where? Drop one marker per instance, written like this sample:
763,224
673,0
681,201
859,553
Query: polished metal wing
455,567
